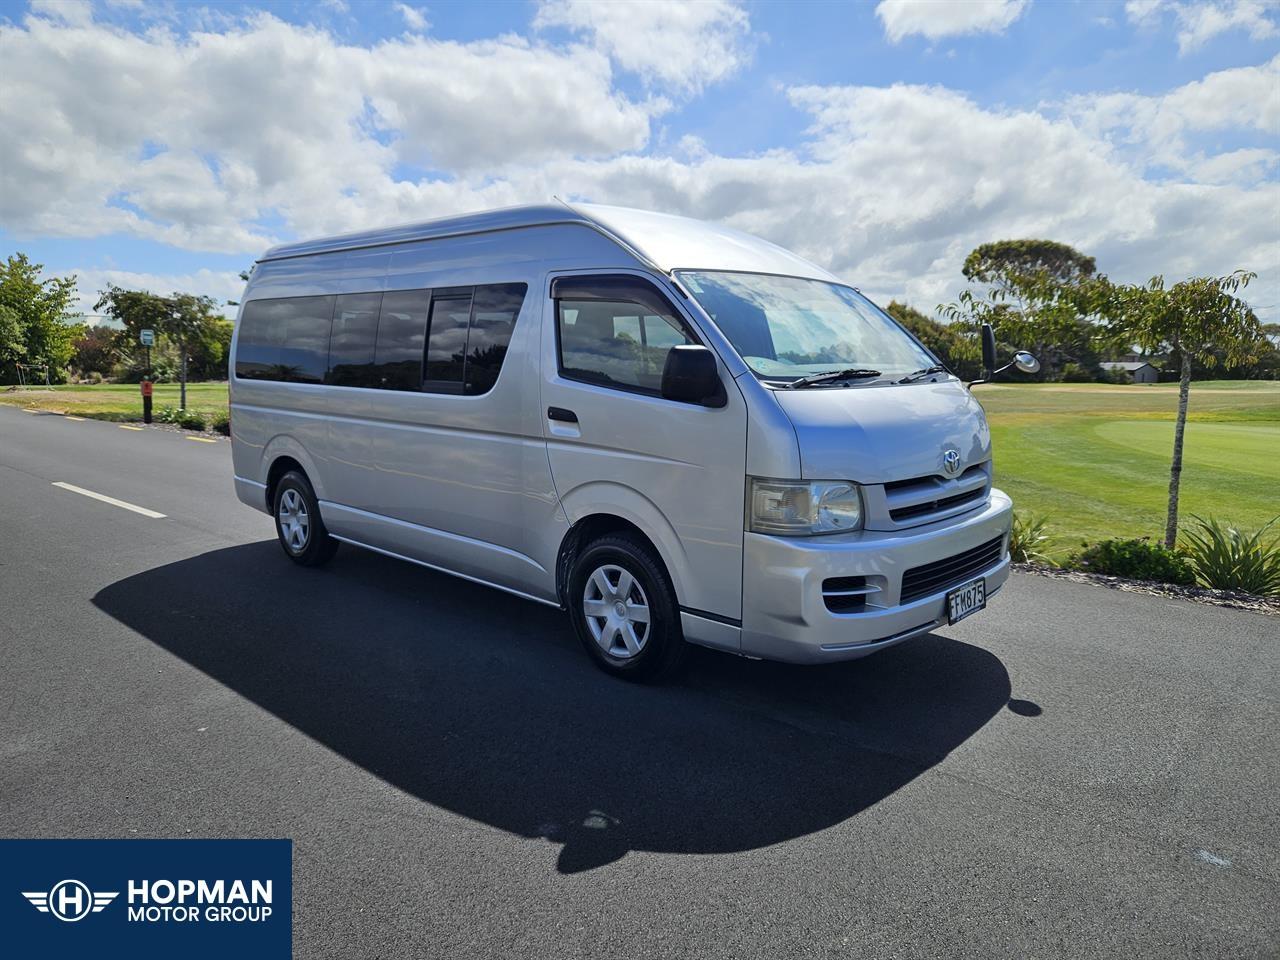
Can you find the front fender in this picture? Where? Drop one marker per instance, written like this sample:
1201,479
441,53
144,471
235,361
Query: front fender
614,499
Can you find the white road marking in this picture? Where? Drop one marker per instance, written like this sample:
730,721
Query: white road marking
125,426
111,500
70,417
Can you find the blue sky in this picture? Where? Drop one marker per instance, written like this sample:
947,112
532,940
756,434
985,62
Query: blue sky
164,144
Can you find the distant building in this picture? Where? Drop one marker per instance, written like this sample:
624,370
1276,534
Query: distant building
1138,371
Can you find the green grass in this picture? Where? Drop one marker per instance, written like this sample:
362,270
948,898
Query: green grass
118,401
1094,459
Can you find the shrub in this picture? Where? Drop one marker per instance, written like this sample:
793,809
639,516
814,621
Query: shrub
1076,373
1227,559
191,420
1140,559
221,423
1028,539
1115,376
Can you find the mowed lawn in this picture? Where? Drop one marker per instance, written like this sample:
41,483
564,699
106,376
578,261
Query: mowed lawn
118,401
1093,459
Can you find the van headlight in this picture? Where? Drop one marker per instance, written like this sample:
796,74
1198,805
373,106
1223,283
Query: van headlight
802,508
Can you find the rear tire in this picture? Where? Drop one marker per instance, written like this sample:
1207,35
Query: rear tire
302,532
624,609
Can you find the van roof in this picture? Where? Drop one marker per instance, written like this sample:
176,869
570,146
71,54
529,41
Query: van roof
664,241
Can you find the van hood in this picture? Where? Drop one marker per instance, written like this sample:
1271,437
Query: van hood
873,434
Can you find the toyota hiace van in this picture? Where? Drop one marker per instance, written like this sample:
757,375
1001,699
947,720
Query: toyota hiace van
674,431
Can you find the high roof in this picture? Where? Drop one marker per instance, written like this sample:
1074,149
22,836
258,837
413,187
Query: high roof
664,241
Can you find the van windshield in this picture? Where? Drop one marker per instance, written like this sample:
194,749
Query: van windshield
786,328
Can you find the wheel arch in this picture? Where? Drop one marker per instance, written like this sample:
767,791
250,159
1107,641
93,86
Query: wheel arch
283,454
594,513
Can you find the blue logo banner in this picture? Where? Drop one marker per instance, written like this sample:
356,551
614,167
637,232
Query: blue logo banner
147,898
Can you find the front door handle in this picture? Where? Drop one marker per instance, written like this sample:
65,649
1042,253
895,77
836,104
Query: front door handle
561,414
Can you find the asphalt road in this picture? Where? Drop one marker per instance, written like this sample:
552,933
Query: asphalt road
1076,773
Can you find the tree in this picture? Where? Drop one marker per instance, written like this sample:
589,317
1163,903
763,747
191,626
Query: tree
33,317
183,319
190,317
97,350
209,349
1040,295
959,353
1002,262
13,346
1201,319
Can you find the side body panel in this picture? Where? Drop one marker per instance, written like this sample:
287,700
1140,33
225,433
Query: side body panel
458,482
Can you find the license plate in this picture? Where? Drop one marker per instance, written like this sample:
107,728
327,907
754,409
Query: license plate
966,599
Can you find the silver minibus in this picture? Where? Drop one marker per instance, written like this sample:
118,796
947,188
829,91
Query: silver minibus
674,431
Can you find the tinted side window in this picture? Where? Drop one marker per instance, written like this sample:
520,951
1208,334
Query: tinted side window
446,345
616,342
258,342
285,339
402,327
493,319
355,327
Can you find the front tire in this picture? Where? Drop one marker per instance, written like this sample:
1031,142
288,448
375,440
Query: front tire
302,532
624,609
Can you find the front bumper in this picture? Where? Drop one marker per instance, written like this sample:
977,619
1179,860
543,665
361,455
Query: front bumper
784,614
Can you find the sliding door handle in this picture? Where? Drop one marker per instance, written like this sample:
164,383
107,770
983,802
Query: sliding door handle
561,414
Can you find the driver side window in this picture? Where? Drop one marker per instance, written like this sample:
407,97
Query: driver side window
616,340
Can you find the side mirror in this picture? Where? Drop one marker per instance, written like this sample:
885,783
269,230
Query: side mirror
690,376
988,351
1026,362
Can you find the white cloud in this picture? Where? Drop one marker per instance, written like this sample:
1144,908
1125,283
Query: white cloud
1162,130
1202,20
91,281
197,141
68,11
268,116
898,184
674,43
414,18
934,19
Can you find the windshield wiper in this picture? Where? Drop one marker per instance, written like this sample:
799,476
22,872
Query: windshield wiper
936,368
854,373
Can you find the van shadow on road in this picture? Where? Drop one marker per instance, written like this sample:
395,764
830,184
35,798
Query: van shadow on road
483,704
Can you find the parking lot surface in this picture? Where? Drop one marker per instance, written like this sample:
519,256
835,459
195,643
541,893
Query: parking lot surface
1076,772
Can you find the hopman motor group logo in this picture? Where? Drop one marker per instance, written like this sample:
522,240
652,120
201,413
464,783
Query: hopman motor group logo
162,901
146,899
70,900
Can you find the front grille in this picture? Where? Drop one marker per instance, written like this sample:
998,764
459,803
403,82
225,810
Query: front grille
933,506
925,499
942,574
917,481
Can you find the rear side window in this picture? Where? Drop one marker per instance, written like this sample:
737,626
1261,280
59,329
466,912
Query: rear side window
494,310
402,328
351,344
450,340
616,332
284,339
447,344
